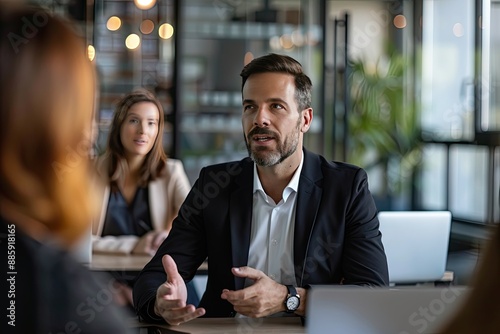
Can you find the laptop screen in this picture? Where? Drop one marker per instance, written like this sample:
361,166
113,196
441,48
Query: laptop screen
416,244
362,310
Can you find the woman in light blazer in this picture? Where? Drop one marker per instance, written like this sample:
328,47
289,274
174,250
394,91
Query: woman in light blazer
142,190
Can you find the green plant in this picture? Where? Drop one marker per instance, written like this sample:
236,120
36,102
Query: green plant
384,127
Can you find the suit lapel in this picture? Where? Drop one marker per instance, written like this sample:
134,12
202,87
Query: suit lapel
308,199
240,218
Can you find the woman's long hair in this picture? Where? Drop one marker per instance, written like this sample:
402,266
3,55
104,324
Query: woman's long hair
480,310
47,100
155,160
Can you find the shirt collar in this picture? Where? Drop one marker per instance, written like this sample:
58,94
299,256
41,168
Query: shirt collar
292,186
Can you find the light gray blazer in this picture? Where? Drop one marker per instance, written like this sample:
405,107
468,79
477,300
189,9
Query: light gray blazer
166,194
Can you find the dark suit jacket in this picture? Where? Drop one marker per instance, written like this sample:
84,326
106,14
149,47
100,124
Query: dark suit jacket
336,241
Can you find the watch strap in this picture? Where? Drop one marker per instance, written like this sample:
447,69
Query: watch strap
291,290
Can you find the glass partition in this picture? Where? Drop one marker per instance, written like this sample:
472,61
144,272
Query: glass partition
461,108
447,88
468,189
490,82
434,185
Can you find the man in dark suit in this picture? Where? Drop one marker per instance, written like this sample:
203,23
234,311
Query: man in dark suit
270,225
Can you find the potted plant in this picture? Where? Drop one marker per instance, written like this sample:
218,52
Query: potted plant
384,127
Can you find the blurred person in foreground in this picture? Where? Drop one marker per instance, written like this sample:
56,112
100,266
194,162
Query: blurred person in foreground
480,311
272,224
47,100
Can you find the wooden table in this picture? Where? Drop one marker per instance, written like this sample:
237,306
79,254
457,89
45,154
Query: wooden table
288,325
108,262
111,262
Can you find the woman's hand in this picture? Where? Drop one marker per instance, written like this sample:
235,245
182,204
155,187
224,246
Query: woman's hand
150,242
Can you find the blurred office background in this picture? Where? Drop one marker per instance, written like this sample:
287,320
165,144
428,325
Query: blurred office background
408,89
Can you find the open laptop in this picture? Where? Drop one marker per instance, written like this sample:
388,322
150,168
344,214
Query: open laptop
363,310
416,244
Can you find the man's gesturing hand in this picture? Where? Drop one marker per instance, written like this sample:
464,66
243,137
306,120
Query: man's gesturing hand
261,299
171,297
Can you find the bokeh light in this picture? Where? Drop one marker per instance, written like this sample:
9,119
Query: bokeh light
132,41
114,23
147,27
166,31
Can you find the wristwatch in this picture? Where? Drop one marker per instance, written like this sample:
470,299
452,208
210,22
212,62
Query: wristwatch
292,300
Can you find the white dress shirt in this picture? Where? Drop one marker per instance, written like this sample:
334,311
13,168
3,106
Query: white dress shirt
272,233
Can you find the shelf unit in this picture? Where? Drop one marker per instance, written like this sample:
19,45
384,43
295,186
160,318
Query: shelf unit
213,40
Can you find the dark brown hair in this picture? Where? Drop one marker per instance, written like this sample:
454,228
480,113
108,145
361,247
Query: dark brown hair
479,311
155,160
282,64
47,97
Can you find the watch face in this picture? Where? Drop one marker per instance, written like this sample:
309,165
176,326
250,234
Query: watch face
292,303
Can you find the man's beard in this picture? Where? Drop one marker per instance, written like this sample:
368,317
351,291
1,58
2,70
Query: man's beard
263,156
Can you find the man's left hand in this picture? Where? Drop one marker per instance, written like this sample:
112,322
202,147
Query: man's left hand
263,298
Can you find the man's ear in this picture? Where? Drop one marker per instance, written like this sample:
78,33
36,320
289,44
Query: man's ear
307,117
